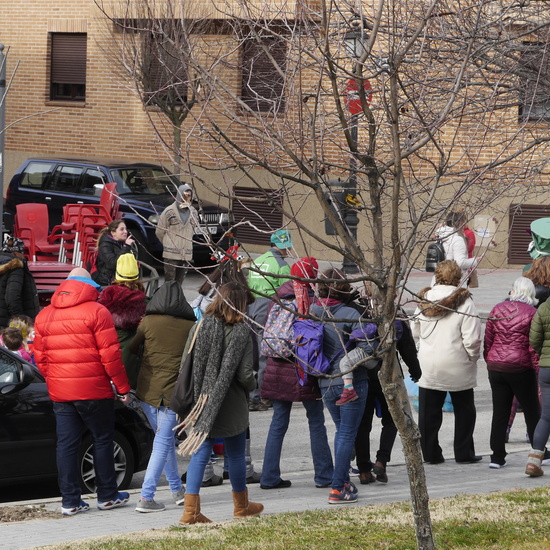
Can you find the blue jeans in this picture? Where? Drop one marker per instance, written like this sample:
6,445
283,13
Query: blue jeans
346,419
72,418
234,450
163,456
320,450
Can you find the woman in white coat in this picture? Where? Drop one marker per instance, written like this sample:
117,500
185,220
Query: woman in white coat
448,330
454,243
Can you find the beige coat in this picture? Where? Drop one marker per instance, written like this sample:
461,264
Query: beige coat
177,238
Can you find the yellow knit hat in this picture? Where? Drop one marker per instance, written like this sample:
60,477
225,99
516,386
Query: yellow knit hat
127,268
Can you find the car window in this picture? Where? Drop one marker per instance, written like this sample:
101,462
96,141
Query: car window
65,179
9,369
36,173
145,181
91,177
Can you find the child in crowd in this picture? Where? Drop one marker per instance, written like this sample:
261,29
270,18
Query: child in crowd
12,339
26,325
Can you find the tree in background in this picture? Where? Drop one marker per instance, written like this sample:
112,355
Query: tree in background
441,105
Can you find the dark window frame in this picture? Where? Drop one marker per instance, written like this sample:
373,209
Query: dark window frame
262,84
535,76
68,57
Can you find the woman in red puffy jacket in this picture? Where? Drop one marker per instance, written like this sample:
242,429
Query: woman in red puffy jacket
511,364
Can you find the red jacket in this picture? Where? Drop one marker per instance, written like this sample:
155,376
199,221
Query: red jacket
76,346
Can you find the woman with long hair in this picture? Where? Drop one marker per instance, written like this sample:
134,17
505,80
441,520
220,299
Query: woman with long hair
113,241
539,273
223,375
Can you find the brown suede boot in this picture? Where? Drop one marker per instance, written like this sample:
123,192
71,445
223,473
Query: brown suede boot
534,462
192,511
244,508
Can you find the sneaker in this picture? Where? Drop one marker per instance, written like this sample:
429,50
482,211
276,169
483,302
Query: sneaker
349,486
341,497
257,406
213,481
179,497
283,484
347,396
146,506
254,478
82,507
120,500
496,465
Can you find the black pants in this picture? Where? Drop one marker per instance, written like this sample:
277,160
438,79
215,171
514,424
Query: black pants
387,436
504,385
430,417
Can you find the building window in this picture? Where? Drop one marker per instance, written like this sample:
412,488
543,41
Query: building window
535,82
251,204
68,67
164,72
264,66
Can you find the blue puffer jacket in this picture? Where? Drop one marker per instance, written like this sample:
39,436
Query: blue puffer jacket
507,336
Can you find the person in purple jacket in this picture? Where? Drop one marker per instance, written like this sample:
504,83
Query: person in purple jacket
281,385
511,363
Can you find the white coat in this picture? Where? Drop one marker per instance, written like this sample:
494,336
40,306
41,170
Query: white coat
449,339
454,244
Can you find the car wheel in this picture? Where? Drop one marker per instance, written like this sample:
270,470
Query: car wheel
124,459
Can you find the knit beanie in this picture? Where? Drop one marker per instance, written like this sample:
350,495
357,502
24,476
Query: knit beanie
306,267
127,268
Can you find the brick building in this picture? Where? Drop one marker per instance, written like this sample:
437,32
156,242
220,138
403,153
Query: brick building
68,97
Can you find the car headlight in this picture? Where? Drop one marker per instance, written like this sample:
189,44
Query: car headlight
153,218
224,219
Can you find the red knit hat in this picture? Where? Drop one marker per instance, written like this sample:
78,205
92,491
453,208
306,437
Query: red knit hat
306,268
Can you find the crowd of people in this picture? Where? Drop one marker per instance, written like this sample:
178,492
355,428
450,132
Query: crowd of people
102,339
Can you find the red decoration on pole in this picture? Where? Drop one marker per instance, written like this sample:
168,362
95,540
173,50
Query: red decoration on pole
352,98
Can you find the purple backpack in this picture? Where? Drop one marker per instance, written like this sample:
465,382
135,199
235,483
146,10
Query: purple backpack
308,349
278,334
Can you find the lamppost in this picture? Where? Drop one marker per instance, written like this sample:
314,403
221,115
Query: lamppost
354,42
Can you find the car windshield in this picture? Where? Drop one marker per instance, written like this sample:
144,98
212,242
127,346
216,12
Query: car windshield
144,180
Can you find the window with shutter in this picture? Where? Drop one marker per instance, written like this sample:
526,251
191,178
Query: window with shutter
535,85
263,216
68,67
521,216
263,69
164,72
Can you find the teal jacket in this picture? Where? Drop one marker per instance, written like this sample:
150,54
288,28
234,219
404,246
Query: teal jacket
271,262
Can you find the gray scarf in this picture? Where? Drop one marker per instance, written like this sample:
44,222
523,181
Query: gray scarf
213,372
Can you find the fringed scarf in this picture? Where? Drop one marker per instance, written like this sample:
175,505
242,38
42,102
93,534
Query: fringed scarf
213,371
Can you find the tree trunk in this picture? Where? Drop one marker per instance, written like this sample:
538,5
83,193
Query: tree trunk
399,406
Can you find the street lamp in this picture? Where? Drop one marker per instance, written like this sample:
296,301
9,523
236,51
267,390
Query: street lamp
355,44
2,131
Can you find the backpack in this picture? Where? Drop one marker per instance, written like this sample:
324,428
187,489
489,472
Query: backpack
277,340
308,349
434,255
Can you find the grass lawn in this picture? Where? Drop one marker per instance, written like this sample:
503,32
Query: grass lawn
514,520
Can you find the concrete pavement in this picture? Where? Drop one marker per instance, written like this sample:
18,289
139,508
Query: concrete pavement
443,480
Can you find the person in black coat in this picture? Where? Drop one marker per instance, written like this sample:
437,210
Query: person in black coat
18,294
113,241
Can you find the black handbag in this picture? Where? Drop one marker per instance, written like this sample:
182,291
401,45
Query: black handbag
182,398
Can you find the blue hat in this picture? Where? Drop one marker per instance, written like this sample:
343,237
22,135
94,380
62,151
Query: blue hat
281,239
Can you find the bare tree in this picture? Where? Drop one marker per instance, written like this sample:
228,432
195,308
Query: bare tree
443,108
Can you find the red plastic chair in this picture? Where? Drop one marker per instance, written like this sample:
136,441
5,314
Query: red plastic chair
109,200
32,227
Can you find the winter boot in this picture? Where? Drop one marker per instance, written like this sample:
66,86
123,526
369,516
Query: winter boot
534,462
244,508
192,511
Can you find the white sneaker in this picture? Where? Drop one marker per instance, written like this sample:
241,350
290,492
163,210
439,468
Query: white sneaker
496,465
82,507
146,506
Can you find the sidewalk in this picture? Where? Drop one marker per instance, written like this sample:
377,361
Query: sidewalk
446,479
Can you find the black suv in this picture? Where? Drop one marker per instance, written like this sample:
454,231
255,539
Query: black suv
144,190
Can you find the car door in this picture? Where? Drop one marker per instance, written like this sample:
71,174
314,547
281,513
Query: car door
27,427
